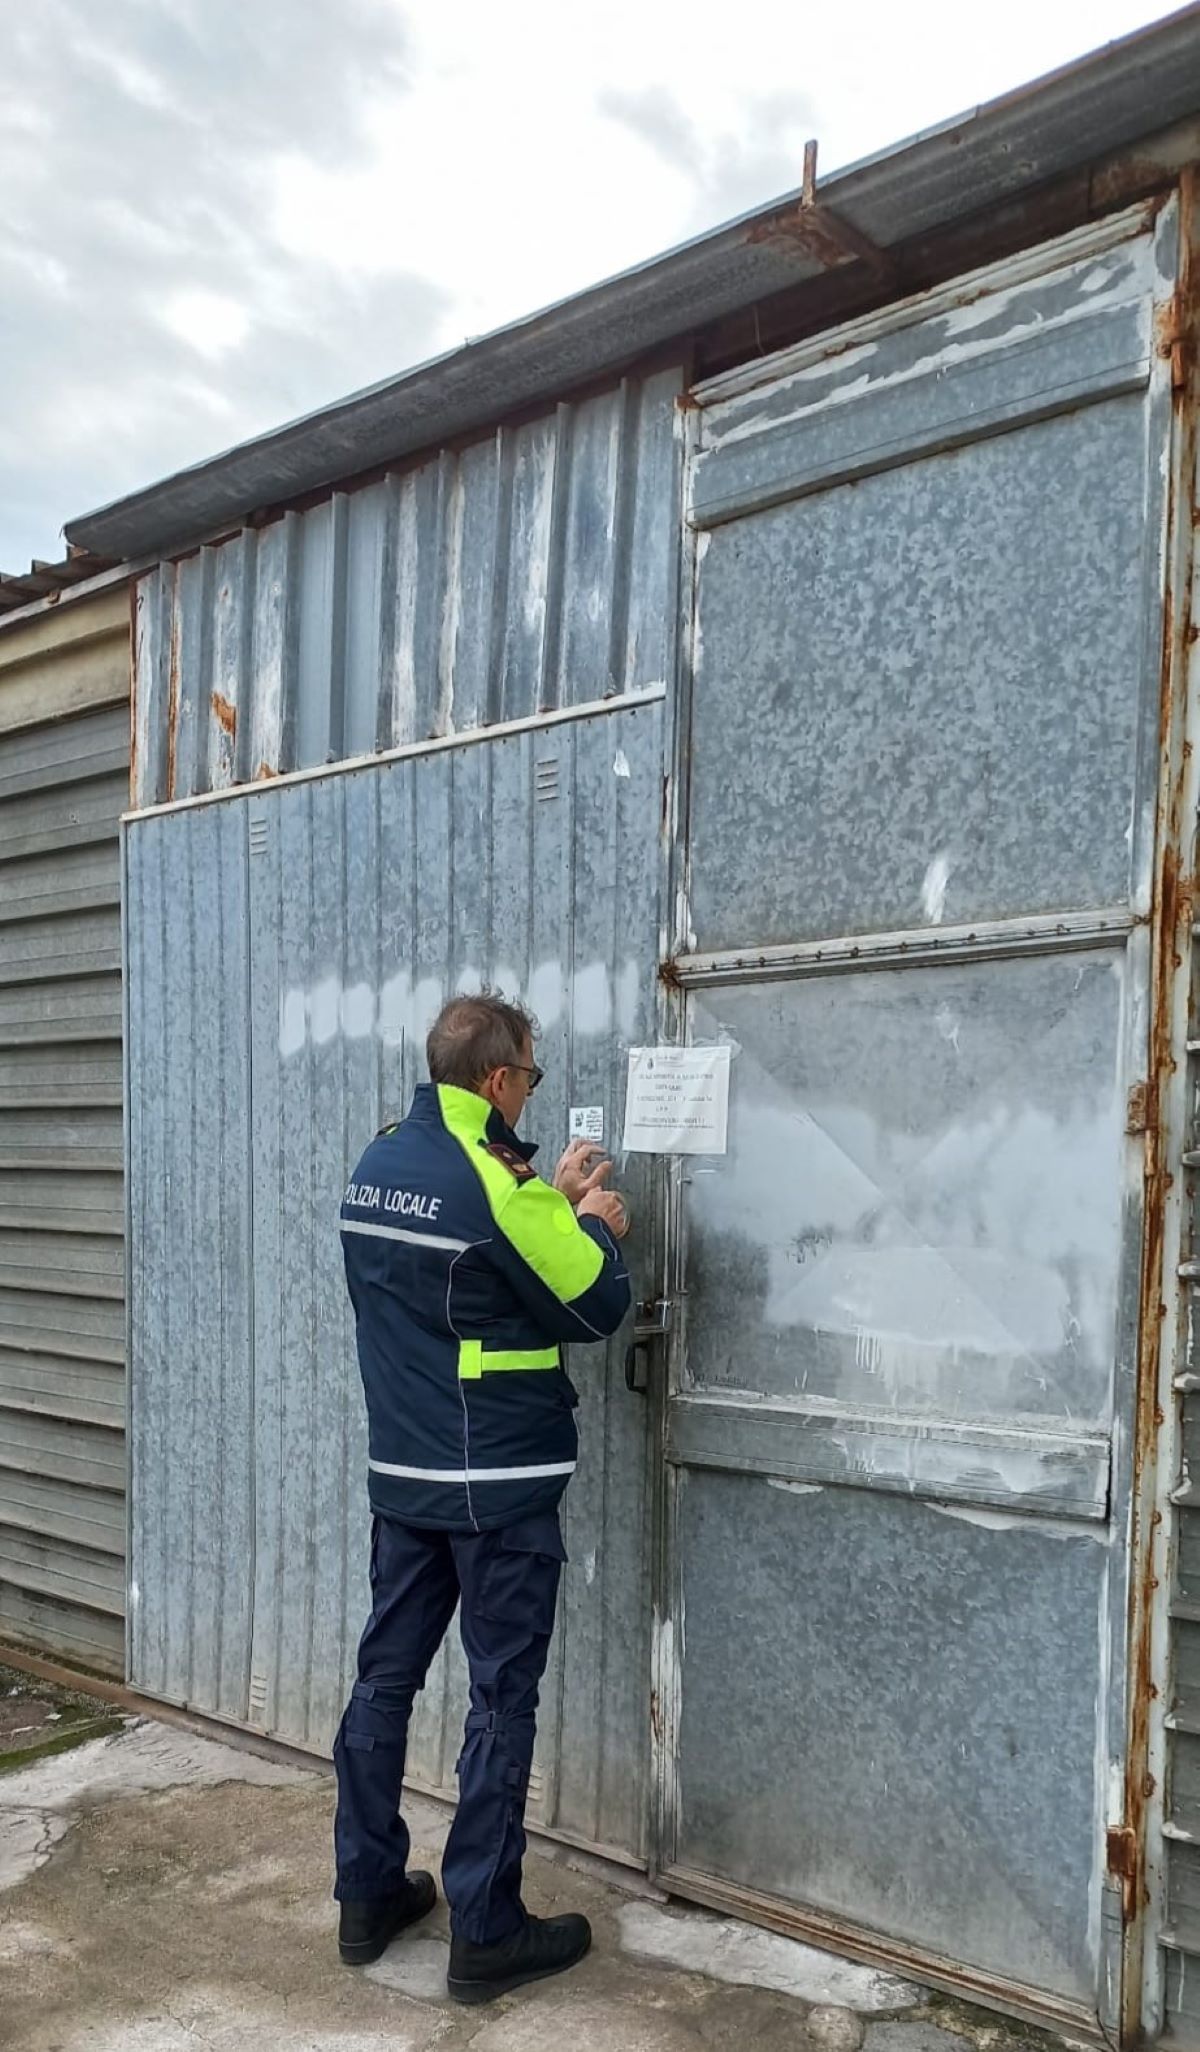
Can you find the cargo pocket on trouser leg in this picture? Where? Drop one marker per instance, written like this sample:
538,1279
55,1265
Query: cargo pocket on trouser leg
519,1572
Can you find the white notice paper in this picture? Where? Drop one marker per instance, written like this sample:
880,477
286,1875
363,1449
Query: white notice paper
587,1122
677,1100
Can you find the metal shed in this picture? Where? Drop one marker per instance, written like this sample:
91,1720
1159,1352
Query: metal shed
790,644
64,782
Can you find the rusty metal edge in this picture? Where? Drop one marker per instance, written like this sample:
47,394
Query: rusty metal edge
813,1927
1134,1847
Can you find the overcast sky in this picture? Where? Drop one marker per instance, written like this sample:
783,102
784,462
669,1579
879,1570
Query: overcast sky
218,214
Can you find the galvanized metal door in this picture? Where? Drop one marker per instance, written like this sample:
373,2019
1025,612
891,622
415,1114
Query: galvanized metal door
288,950
921,757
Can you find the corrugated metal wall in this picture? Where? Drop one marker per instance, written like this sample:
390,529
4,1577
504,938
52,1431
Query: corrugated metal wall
64,780
286,954
531,571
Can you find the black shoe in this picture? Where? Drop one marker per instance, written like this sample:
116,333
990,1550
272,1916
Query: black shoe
543,1946
367,1929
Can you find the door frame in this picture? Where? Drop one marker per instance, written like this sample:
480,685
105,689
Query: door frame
1129,1996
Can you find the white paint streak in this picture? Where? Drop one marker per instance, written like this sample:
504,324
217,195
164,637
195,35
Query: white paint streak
1015,1521
547,994
933,889
404,672
358,1011
426,1004
293,1023
620,764
947,1025
451,605
324,1009
535,534
629,979
591,1000
393,1009
945,1463
795,1488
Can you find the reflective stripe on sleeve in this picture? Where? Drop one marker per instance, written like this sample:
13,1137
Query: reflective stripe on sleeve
475,1360
437,1241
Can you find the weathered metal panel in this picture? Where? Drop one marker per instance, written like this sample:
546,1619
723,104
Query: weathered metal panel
191,1223
531,571
522,861
63,782
910,1288
953,1700
962,1190
947,783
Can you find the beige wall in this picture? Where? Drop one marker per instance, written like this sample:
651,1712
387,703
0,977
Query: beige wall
69,659
64,782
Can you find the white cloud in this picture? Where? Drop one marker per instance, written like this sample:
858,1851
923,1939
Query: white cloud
211,322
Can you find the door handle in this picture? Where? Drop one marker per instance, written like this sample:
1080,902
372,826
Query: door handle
652,1322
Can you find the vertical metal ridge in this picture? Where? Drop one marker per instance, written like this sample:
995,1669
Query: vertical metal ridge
628,449
289,695
336,625
386,708
564,423
252,1193
193,1277
502,512
132,1309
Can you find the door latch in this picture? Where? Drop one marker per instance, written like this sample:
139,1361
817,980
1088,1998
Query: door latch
652,1322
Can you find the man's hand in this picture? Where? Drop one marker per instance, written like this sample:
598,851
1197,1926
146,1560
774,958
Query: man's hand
574,1178
607,1205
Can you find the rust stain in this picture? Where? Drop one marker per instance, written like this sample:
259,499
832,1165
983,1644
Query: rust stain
264,772
1174,338
225,713
1169,933
1122,1862
668,974
1128,176
1137,1109
805,229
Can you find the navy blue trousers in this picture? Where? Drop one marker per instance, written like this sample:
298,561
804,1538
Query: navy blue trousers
507,1581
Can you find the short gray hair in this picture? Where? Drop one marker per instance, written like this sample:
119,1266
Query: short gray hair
473,1035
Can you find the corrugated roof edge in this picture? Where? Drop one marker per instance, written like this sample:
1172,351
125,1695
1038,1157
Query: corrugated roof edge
1101,103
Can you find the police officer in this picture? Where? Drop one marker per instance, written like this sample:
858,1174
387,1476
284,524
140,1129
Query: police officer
467,1273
